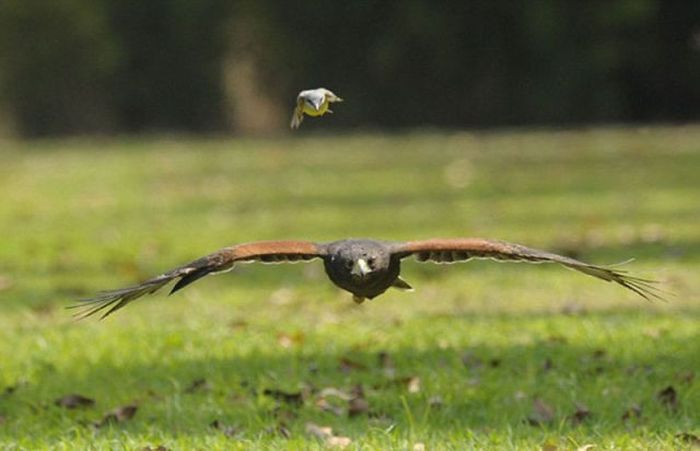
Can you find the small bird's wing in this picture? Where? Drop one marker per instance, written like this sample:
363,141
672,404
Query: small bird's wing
463,249
219,261
298,115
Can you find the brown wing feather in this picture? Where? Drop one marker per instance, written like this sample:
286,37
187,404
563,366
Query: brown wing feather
219,261
462,249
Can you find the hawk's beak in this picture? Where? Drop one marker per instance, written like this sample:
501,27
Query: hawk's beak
360,268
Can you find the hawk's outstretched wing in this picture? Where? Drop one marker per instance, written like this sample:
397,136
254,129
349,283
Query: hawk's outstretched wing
463,249
219,261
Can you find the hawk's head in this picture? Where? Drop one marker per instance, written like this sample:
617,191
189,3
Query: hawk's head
359,261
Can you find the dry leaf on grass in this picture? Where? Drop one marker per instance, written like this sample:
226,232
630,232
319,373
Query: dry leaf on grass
227,430
323,404
118,415
334,392
280,429
338,442
413,384
73,401
686,377
346,365
669,398
288,340
385,360
436,402
633,412
200,384
295,399
470,360
357,406
580,415
325,433
542,413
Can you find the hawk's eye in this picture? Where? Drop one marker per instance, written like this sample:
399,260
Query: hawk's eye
370,262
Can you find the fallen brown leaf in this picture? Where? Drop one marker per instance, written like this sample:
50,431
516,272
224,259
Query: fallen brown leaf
323,404
10,389
322,432
200,384
435,402
541,413
288,340
580,415
227,430
347,365
549,446
470,360
325,433
280,429
385,360
238,324
686,377
338,442
357,406
295,399
668,397
73,401
598,354
634,412
413,384
119,415
334,392
548,364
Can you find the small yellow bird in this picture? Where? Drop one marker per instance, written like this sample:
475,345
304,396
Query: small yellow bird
313,102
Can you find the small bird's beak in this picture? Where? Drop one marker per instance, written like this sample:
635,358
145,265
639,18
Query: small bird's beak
315,105
360,268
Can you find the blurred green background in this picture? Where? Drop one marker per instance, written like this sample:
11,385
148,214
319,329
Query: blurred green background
81,66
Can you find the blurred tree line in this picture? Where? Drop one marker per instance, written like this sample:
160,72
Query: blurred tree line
84,66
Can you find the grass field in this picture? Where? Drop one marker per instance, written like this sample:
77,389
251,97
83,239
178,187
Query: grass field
481,355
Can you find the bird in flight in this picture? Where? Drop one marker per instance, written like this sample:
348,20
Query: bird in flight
366,268
313,102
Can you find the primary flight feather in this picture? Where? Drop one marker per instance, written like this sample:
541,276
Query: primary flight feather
364,267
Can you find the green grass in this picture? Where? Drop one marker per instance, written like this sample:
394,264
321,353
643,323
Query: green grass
486,339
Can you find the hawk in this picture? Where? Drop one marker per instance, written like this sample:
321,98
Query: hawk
313,102
364,267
